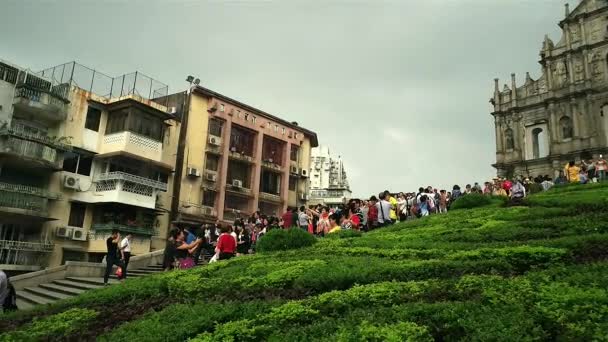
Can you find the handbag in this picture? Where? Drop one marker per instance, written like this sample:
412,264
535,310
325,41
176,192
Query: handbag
186,263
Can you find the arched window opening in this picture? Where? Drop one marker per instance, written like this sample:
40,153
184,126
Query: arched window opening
538,146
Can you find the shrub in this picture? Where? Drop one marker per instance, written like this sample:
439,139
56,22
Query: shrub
284,239
52,327
476,200
345,234
403,331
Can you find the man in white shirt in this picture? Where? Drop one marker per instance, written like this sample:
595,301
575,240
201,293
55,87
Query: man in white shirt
384,211
125,252
303,219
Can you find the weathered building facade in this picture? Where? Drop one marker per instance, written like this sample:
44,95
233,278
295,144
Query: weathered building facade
562,115
328,181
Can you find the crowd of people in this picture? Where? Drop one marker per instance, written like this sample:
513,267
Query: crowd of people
220,242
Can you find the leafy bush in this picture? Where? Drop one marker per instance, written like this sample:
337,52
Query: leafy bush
477,200
403,331
345,234
284,239
52,327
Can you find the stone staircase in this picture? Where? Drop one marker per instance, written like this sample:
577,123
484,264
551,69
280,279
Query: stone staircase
69,287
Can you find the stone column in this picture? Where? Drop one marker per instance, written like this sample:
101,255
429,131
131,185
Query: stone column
285,175
586,62
574,116
581,23
257,170
553,126
222,177
499,137
549,76
570,69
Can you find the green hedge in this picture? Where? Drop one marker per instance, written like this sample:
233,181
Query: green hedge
284,239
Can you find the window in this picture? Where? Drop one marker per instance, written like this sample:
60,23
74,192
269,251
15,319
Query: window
221,107
509,139
565,124
117,122
92,120
270,182
283,130
212,162
239,171
293,154
276,128
272,149
215,127
209,198
292,183
539,148
77,211
76,163
242,140
246,117
253,119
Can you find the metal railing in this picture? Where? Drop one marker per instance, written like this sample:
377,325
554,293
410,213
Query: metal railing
46,247
197,209
240,156
25,132
238,190
118,175
41,96
23,201
29,149
27,190
104,227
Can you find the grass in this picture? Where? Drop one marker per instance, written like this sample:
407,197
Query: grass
482,272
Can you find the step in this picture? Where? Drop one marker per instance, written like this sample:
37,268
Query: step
44,292
159,266
63,289
77,285
142,271
24,305
92,280
32,298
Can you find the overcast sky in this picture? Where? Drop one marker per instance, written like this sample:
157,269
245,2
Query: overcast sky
399,89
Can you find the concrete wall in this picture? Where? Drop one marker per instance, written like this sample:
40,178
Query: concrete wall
80,269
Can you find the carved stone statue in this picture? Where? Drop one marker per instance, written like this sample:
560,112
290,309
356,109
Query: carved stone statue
509,144
560,74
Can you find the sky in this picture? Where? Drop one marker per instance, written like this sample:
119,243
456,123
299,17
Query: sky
398,89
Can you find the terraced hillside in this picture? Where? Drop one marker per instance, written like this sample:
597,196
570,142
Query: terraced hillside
537,272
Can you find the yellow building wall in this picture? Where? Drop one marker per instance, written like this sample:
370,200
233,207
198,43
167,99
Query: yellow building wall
194,154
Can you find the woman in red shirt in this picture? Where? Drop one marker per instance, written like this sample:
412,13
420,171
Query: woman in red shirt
372,213
226,244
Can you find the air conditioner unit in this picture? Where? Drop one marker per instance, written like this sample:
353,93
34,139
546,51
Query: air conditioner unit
65,232
71,182
172,110
212,177
192,172
207,211
304,197
293,169
79,234
237,183
215,141
304,173
232,149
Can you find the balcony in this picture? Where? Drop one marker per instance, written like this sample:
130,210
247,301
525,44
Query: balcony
48,105
241,157
271,165
133,144
214,149
194,209
239,190
124,229
121,187
264,196
19,201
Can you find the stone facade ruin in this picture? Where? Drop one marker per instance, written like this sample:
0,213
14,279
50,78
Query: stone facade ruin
562,115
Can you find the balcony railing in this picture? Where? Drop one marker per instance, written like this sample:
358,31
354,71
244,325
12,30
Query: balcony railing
264,196
43,103
197,209
25,197
213,149
108,227
238,190
271,165
22,131
241,157
29,149
133,143
45,247
122,176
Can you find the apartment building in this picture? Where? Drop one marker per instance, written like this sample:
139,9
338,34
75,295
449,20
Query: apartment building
328,180
82,153
236,160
